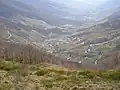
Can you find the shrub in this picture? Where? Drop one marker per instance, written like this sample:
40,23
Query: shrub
41,72
111,75
87,74
8,66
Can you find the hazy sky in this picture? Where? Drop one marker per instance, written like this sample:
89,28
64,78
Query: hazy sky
80,3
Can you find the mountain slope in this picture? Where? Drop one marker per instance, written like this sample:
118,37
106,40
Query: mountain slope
85,38
51,77
91,44
54,12
13,8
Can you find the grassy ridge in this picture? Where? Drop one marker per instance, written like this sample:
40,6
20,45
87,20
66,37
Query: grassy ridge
16,76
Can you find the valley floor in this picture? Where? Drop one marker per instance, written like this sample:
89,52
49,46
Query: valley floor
16,76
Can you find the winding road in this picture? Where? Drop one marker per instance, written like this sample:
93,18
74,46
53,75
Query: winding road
10,35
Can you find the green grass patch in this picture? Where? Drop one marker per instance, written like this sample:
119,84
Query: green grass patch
110,75
8,66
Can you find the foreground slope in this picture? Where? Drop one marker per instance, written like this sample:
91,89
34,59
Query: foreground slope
16,76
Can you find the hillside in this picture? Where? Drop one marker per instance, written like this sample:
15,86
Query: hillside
87,40
59,44
13,8
94,43
16,76
21,22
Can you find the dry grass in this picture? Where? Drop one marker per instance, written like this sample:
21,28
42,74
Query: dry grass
16,76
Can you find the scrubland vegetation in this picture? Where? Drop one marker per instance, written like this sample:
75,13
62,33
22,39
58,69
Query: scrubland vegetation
16,76
27,68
